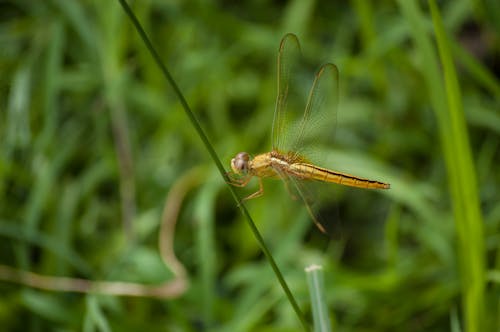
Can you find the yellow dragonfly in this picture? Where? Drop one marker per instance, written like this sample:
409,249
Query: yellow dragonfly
295,129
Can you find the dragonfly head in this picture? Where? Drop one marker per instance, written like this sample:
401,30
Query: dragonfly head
239,163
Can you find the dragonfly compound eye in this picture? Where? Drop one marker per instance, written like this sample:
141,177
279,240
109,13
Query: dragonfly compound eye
239,164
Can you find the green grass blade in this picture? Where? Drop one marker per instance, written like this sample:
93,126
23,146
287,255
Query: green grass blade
446,103
454,321
317,292
94,318
194,121
467,212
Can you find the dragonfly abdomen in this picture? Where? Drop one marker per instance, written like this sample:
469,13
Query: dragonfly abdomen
308,171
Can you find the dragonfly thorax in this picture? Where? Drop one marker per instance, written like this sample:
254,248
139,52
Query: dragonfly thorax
239,163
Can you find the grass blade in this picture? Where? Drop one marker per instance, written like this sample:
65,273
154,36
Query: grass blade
317,291
445,98
194,121
467,212
463,186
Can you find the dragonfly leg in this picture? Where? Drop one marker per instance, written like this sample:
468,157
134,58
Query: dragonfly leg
314,219
238,181
258,193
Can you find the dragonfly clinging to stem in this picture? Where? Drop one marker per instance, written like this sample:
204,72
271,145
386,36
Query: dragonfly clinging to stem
286,160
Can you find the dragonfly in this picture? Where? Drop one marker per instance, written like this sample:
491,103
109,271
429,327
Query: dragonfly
293,130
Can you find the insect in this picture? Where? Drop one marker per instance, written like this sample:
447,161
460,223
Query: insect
291,132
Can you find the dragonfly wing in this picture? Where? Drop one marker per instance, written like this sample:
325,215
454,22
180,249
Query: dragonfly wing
322,202
308,202
288,60
318,123
307,192
300,126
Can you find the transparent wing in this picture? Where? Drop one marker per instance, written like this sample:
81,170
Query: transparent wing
298,128
288,59
319,120
309,193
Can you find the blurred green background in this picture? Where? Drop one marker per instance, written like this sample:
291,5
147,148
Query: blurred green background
94,146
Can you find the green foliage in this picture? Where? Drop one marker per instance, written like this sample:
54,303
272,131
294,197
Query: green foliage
319,307
93,140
